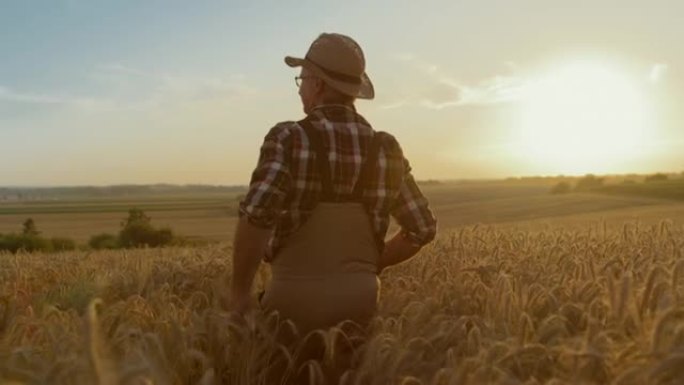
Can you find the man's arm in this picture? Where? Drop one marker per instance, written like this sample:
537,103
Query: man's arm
397,250
259,213
418,224
249,247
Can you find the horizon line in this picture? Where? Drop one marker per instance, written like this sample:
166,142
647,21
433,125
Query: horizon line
166,184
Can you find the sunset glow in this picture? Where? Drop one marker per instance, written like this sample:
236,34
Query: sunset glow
107,93
582,116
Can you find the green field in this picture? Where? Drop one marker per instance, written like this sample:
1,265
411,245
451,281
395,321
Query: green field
211,216
666,189
207,216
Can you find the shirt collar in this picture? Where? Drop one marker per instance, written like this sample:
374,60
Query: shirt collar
345,106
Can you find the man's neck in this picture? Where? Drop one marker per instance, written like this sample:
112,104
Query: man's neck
349,106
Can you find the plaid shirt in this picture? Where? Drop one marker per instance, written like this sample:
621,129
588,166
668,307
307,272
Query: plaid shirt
286,185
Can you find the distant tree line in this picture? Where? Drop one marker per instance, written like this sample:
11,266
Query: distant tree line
57,193
656,177
591,182
136,231
30,240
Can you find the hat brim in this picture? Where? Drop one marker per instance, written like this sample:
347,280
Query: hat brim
364,90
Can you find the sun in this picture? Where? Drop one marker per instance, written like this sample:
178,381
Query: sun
583,116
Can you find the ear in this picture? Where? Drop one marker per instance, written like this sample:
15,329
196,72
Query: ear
320,86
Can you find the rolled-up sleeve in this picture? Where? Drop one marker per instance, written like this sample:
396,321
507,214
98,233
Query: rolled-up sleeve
412,212
270,180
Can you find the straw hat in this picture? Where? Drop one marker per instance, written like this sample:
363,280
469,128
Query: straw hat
339,61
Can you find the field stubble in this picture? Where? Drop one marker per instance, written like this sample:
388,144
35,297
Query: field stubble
481,305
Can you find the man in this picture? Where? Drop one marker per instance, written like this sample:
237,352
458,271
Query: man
320,199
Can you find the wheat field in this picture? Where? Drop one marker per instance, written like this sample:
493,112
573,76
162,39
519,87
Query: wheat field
481,305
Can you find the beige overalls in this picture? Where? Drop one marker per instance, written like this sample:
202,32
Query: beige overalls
326,272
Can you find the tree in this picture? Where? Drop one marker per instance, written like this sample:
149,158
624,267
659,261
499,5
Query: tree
561,188
656,177
30,227
136,217
589,182
62,244
104,241
164,236
137,231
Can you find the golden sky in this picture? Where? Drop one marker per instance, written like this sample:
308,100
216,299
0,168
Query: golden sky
149,92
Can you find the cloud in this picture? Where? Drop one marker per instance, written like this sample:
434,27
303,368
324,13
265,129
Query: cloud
657,72
498,89
120,87
118,68
445,91
148,88
437,106
393,105
417,63
495,90
12,95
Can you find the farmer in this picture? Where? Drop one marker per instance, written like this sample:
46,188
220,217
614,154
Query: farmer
320,199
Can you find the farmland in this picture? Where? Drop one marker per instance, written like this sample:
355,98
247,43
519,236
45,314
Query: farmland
520,287
212,215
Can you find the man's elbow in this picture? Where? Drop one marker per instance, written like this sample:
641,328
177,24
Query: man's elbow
254,230
257,217
428,236
429,232
423,236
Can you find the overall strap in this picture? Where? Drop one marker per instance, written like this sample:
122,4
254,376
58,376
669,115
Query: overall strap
323,166
321,156
366,169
